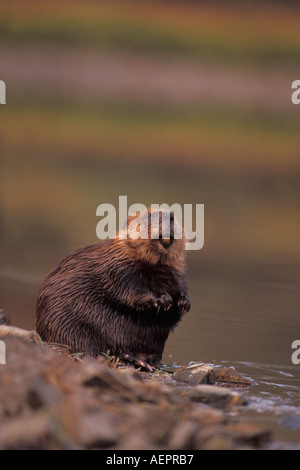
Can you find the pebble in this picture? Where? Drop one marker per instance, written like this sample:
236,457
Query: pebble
195,374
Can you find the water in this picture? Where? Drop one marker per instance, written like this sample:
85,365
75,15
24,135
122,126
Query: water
274,400
219,330
246,316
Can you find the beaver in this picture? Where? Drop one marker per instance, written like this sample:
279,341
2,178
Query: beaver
123,295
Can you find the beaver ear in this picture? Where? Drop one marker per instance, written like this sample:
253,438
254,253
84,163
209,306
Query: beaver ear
130,218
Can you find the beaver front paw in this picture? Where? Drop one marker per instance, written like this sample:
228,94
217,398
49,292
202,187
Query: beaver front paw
137,362
163,302
184,304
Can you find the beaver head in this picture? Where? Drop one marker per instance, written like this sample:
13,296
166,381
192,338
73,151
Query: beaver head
155,236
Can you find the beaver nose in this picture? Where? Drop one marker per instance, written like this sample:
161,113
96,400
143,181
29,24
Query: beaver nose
166,242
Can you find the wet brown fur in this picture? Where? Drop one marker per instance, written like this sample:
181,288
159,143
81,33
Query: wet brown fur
120,295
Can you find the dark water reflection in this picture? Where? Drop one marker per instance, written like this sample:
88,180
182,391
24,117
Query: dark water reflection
247,314
237,314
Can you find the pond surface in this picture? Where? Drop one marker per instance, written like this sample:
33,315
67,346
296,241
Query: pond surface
240,318
274,400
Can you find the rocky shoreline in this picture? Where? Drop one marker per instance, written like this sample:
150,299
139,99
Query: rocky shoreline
50,399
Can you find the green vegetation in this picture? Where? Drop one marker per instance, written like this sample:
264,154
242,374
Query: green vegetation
142,132
224,34
64,155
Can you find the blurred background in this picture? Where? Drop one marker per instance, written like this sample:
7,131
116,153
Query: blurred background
166,101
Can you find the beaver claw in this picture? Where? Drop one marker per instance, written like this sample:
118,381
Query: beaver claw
165,302
184,304
137,362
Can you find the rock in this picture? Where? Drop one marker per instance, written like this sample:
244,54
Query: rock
200,373
207,415
194,374
95,431
183,435
290,422
233,435
214,438
3,317
251,434
8,330
211,394
51,401
103,378
41,393
36,431
230,376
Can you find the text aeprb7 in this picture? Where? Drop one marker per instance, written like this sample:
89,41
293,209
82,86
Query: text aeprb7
2,352
296,94
296,354
2,92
